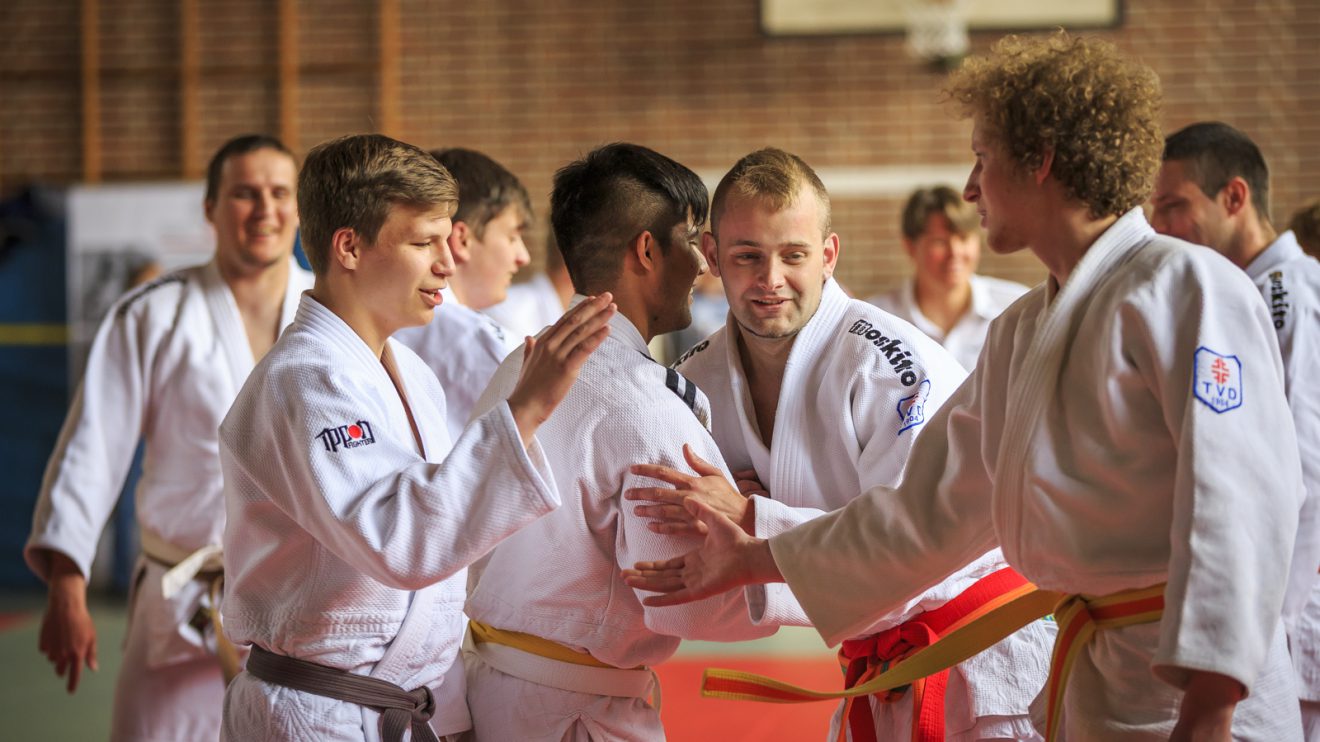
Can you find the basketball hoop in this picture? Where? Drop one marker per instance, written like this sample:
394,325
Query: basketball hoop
937,30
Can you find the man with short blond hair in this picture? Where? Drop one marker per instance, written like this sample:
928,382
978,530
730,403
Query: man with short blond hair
352,515
816,397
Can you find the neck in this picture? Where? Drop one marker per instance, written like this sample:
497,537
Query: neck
456,285
563,286
1253,240
255,285
763,358
334,294
631,301
941,306
1061,245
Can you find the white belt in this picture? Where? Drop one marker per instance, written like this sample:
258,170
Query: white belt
596,681
184,567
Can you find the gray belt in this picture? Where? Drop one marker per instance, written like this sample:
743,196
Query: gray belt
398,708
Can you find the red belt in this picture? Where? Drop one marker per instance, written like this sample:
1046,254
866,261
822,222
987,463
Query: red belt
863,659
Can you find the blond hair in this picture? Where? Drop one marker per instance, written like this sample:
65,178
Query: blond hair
772,176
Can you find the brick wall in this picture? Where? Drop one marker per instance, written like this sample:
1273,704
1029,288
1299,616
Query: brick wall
536,84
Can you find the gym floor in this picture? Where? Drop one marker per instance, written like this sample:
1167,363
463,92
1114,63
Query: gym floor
34,705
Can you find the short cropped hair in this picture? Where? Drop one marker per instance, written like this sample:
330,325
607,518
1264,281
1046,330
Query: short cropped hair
602,202
1305,225
240,145
1214,153
485,187
926,202
353,182
1098,113
772,176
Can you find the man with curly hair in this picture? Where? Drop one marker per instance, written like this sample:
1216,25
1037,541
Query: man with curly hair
1305,223
1100,442
1213,190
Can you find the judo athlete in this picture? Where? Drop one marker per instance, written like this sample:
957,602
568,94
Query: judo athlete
1124,439
562,649
1213,190
539,301
819,397
164,366
462,345
946,298
352,516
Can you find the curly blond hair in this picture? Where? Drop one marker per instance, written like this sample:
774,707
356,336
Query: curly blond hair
1077,97
1305,225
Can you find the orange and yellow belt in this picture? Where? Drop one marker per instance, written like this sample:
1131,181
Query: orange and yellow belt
1078,616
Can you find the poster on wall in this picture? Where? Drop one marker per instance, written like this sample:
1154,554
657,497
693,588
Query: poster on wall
794,17
121,236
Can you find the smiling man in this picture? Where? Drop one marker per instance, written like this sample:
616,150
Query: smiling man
462,345
946,298
352,515
1125,439
1213,190
165,366
817,397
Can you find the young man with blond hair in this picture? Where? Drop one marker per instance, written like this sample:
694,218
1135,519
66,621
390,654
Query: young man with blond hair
352,515
164,367
816,397
946,298
1125,439
1213,190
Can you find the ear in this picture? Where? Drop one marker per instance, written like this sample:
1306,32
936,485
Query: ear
1043,170
709,249
645,250
460,242
1235,195
831,255
208,208
346,248
910,248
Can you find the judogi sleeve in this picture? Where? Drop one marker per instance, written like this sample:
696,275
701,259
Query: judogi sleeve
887,420
94,451
851,567
720,618
404,521
1204,342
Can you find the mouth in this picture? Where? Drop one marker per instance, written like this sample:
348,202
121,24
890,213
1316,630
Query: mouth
433,297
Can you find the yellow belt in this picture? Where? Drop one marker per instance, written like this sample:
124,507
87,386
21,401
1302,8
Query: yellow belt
1078,616
532,644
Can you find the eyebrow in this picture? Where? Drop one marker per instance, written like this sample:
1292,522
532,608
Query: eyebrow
754,243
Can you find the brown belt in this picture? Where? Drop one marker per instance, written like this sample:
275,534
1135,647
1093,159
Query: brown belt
399,708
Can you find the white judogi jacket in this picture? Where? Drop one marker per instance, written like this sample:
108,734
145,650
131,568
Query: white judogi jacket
529,307
165,365
1289,279
463,347
858,387
347,548
1125,430
964,340
559,578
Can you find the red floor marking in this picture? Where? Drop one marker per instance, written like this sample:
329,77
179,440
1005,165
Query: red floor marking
690,718
13,620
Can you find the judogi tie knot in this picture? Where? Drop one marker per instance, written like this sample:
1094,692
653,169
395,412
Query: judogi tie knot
395,719
875,654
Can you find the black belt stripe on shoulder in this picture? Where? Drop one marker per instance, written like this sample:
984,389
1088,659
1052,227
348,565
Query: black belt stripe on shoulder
674,381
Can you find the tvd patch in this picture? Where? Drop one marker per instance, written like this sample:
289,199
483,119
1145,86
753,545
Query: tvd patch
350,435
1217,380
912,410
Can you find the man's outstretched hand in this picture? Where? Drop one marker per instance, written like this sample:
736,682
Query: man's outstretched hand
728,559
665,505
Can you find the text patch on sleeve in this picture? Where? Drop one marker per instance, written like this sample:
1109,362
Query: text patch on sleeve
1217,380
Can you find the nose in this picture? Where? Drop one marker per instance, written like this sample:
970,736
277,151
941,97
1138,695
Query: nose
772,276
444,260
702,267
522,257
972,189
265,203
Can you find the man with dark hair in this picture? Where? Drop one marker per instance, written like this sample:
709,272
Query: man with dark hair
1212,190
562,648
165,366
353,516
462,345
817,397
1125,438
946,298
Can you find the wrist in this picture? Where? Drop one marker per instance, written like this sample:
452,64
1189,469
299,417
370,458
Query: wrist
748,518
760,562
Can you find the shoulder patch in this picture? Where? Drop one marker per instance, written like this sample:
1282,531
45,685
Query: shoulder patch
899,358
912,410
1217,380
147,288
704,344
348,435
1279,305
